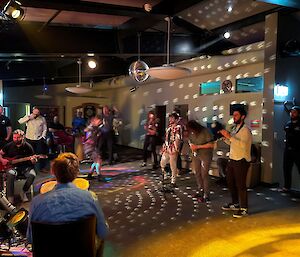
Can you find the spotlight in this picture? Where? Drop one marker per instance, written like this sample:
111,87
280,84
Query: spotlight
92,64
227,35
229,9
13,9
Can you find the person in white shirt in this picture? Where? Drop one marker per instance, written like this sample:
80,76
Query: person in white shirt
36,131
240,140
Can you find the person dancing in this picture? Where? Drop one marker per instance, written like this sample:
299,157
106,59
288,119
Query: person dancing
201,144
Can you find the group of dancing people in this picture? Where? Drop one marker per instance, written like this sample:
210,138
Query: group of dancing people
201,143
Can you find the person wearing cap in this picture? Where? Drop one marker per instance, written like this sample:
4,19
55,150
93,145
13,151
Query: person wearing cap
18,148
240,140
170,148
36,132
292,146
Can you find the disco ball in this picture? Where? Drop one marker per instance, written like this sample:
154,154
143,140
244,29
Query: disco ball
137,70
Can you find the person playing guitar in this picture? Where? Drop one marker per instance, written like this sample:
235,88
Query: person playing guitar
18,148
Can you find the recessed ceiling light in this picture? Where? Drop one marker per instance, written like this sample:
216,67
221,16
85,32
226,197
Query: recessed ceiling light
226,35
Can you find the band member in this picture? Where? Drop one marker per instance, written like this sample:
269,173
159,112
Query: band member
240,140
5,128
170,147
18,148
150,139
36,132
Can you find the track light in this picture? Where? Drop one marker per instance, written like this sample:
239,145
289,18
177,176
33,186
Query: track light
92,64
227,35
14,10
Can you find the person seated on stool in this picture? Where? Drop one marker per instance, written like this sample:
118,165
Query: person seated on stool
66,202
18,148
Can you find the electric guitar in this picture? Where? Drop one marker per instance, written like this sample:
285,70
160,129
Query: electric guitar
13,161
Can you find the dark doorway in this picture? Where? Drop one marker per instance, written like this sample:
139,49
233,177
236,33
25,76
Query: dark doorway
160,111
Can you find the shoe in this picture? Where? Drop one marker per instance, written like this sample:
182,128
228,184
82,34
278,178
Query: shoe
197,195
144,164
173,185
24,197
284,190
44,171
203,200
240,213
100,178
230,207
89,176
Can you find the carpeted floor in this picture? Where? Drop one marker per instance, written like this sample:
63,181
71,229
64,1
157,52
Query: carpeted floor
144,221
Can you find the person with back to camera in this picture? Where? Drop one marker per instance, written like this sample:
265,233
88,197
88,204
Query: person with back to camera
292,147
66,202
240,140
5,128
201,144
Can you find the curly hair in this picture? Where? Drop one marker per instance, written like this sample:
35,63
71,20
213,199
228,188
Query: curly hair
65,167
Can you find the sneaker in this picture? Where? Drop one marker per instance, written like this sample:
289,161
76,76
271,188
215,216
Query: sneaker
203,200
144,164
240,213
24,197
283,190
230,207
197,195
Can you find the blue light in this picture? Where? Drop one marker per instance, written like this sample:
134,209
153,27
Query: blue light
280,92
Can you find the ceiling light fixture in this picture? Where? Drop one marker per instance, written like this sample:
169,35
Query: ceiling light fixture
227,35
92,64
138,69
168,71
44,94
14,10
79,89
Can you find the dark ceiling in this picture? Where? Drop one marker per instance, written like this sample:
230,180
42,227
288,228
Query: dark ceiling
53,34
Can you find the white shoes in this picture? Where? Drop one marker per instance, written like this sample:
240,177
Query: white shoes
24,197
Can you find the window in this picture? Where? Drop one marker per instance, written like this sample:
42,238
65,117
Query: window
254,84
208,88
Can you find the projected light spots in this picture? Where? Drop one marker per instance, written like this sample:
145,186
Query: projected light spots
248,48
229,77
235,62
238,76
272,57
166,102
243,102
146,93
195,96
258,74
152,106
172,84
159,90
204,119
181,85
253,103
269,44
265,143
227,65
220,153
221,107
196,109
202,67
215,107
220,68
214,118
186,97
255,132
264,111
265,126
244,61
195,68
230,121
267,70
175,100
233,102
240,49
218,78
271,165
221,116
204,109
191,84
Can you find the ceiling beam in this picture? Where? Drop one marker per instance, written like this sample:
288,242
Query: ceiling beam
90,7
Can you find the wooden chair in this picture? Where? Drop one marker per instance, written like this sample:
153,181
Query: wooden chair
70,239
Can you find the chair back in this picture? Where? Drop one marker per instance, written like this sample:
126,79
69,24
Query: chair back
70,239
